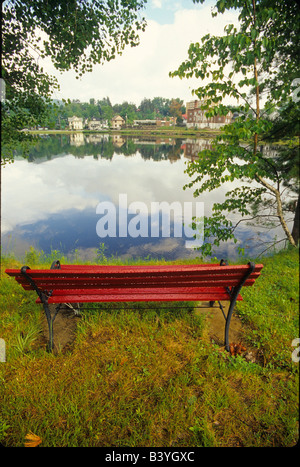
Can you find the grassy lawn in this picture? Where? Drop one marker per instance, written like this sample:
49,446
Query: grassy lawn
141,375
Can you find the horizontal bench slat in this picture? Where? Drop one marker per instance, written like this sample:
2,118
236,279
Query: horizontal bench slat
71,283
166,277
141,291
134,271
137,298
141,294
153,268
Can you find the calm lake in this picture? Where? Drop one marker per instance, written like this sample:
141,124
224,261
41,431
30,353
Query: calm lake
78,191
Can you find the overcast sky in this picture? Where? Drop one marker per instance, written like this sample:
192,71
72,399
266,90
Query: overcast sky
143,71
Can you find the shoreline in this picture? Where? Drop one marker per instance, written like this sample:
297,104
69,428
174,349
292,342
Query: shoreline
163,132
135,132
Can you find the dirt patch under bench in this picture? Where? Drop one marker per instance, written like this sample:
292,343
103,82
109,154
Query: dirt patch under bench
64,327
215,331
216,323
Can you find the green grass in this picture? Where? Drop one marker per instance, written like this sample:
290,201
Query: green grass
148,376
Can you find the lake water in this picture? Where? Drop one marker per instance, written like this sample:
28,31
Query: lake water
75,188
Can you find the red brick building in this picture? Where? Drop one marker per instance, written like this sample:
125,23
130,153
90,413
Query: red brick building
196,117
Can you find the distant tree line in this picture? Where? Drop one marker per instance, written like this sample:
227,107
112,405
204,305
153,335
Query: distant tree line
156,108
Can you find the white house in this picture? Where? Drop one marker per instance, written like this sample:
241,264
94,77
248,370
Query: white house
95,124
75,123
117,122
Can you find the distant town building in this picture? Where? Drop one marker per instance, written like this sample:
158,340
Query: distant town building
95,124
196,117
117,122
75,123
167,121
147,122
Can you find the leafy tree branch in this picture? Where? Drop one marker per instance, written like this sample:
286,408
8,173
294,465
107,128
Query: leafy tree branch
246,62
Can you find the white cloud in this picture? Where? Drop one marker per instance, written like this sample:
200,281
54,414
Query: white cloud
66,183
143,71
157,3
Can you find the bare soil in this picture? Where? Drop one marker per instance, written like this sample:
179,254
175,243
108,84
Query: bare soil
64,328
65,325
216,323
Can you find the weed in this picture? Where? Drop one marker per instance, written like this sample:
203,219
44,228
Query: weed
24,340
3,430
100,256
33,256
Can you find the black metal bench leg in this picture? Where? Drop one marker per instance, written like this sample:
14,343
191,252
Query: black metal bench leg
50,327
227,324
44,299
234,295
50,321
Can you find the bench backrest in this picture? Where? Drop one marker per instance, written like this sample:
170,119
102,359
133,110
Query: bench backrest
70,277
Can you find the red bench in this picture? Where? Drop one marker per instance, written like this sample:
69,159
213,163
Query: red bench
81,284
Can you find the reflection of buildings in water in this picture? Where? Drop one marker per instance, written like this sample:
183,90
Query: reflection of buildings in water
192,147
158,141
269,150
118,140
95,138
77,139
173,157
162,148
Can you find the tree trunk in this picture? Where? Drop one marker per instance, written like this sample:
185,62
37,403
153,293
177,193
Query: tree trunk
295,231
256,79
279,209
